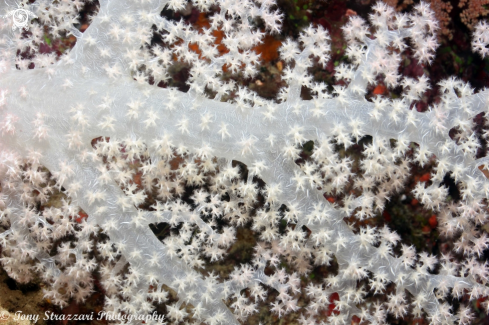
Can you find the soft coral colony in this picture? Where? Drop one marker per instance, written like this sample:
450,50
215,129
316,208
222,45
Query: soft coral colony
174,142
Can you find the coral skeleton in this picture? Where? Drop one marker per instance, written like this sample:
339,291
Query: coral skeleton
105,88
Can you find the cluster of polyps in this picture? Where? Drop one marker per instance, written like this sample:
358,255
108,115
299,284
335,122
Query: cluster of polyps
163,140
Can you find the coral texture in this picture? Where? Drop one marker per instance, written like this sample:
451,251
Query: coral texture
51,114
